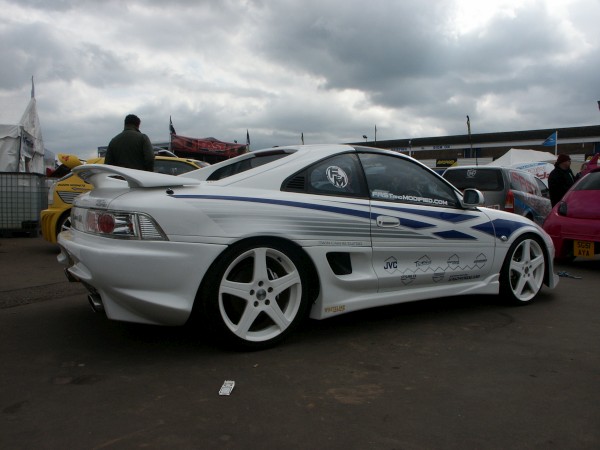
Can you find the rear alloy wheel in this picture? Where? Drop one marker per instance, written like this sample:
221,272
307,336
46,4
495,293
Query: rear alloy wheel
523,271
259,296
64,223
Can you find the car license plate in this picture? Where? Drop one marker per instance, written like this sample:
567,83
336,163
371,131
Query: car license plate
583,248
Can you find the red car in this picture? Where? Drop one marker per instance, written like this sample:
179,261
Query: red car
574,222
590,165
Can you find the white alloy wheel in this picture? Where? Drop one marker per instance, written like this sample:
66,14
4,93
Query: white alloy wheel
523,271
64,223
259,296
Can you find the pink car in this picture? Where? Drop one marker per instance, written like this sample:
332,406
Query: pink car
574,222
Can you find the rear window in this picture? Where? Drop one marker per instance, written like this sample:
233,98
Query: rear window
246,164
482,179
590,182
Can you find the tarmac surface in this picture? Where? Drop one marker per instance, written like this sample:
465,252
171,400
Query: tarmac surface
452,373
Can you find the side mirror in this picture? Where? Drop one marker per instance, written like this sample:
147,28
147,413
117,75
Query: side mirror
472,198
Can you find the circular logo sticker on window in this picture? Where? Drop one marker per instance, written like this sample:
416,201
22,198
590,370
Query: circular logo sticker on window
337,176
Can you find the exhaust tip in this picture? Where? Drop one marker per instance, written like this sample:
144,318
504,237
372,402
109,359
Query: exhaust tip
96,303
70,276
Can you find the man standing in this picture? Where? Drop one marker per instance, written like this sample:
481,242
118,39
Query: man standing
560,179
131,148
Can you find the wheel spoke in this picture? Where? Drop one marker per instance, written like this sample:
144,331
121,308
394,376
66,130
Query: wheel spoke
240,290
520,285
537,263
276,314
260,264
279,285
242,328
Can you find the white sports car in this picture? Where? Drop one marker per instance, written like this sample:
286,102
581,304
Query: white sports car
254,244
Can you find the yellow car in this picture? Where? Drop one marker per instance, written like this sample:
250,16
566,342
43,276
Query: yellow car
61,194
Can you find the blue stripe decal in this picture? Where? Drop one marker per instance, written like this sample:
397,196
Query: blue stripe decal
415,224
453,234
499,227
333,209
440,215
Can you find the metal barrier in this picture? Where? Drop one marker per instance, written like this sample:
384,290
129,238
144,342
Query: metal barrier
22,198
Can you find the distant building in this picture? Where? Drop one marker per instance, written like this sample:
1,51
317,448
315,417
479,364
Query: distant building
575,140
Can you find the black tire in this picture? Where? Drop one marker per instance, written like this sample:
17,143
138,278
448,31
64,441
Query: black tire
523,271
255,306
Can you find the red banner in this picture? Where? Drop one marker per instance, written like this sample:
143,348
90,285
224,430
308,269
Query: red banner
188,145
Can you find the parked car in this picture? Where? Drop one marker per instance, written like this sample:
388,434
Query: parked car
590,165
574,223
504,188
253,244
67,186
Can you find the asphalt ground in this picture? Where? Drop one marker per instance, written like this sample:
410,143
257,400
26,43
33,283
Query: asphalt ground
452,373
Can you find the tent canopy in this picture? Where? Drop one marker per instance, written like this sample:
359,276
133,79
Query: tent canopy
21,145
538,163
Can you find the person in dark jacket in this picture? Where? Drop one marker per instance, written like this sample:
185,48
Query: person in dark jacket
560,179
131,148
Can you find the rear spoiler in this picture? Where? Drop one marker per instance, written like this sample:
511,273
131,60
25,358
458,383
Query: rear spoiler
107,176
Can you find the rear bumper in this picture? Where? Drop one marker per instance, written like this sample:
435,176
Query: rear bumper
564,231
153,282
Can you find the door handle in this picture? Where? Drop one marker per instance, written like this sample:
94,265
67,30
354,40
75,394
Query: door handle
388,222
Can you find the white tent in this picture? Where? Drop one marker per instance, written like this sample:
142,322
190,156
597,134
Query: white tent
538,163
21,144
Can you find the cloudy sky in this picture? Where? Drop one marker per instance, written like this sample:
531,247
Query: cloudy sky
331,69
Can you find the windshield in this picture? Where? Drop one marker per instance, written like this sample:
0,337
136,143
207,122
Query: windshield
590,182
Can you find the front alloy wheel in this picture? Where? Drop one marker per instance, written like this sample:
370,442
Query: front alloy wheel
523,271
260,295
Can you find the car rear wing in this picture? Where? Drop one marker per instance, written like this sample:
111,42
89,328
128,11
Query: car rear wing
107,176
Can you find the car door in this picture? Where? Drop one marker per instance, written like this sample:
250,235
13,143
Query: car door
421,236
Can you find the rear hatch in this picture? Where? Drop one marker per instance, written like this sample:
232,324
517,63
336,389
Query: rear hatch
487,180
583,200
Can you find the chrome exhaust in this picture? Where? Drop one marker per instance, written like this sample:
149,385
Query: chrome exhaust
96,303
70,276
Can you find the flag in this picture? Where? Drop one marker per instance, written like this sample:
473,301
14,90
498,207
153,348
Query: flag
33,88
171,127
375,133
550,140
469,125
247,140
598,104
302,137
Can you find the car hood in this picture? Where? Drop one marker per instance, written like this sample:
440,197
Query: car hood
103,176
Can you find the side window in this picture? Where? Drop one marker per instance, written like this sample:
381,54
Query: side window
396,179
340,175
544,192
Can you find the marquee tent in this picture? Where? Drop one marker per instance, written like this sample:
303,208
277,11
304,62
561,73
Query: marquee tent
538,163
21,144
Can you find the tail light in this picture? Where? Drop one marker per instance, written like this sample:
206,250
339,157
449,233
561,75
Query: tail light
116,224
509,203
